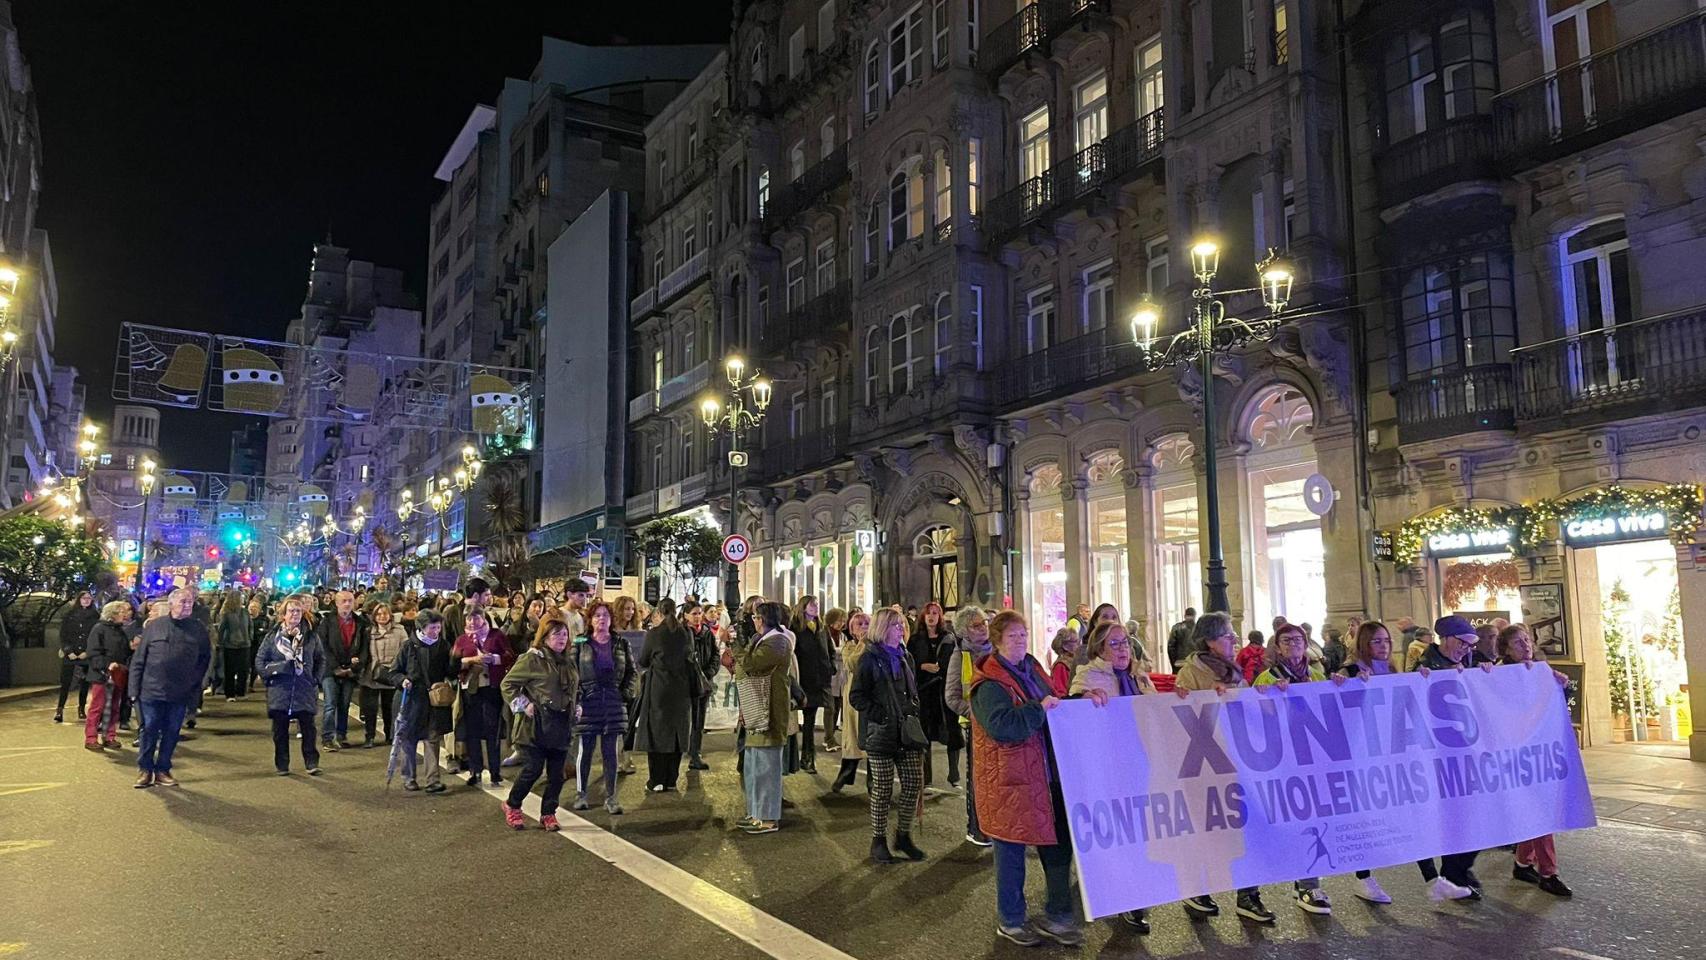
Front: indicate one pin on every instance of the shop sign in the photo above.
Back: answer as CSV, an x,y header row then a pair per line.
x,y
865,540
1591,531
1459,543
1381,543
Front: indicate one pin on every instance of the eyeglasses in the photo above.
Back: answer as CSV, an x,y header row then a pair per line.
x,y
1119,644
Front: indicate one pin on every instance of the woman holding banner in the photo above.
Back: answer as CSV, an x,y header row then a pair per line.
x,y
1019,803
1288,662
1113,671
1537,859
1371,656
1210,666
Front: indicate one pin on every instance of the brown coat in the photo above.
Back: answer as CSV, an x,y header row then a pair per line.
x,y
1013,796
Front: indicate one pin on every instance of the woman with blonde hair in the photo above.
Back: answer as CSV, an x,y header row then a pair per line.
x,y
1537,859
852,649
885,692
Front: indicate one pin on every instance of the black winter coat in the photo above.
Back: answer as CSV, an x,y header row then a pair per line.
x,y
817,665
932,688
423,666
875,693
74,629
335,659
666,697
108,644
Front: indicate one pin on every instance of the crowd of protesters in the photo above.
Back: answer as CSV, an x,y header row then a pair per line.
x,y
531,688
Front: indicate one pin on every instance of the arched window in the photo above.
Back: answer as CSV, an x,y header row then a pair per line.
x,y
826,138
897,209
873,249
944,189
1281,417
873,78
797,161
759,74
906,203
943,329
873,363
900,354
763,190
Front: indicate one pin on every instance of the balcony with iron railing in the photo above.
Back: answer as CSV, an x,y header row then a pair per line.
x,y
1033,29
691,174
817,70
794,198
813,447
1647,366
823,316
643,304
1455,402
1641,81
677,281
1459,150
684,386
1108,162
1065,366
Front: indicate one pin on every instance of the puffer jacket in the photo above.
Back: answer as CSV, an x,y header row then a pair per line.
x,y
1011,769
290,680
961,670
1099,674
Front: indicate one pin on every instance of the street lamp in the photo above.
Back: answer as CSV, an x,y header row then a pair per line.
x,y
736,416
146,483
1211,333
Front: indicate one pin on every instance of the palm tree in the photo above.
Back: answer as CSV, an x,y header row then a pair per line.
x,y
506,544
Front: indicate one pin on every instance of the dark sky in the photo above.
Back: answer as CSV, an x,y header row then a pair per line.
x,y
194,151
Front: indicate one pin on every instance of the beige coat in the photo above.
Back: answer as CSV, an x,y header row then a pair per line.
x,y
1098,674
1194,676
851,651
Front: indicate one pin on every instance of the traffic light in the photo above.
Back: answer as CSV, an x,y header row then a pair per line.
x,y
212,552
236,535
289,576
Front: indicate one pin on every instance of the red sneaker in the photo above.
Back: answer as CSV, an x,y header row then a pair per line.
x,y
549,822
513,817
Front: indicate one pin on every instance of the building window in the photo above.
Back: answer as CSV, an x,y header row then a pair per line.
x,y
1033,144
657,265
1599,297
1148,79
900,354
663,170
873,79
873,363
687,345
1288,211
759,74
763,191
464,283
1438,75
1039,319
944,189
827,414
873,221
1457,314
796,414
797,161
939,21
657,369
943,329
906,49
826,25
1156,271
975,308
795,292
906,204
974,173
825,266
1090,110
692,141
1098,295
797,52
826,138
687,449
763,310
689,237
971,25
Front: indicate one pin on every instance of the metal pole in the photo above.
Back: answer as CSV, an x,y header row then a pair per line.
x,y
142,547
1215,568
731,586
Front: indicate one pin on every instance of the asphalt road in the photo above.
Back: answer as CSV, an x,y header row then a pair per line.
x,y
241,863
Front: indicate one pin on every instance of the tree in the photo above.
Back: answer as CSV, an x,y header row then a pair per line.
x,y
686,548
1623,665
38,555
506,542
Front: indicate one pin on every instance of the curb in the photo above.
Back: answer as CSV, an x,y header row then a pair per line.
x,y
9,694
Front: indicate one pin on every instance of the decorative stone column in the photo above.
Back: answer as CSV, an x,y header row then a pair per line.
x,y
1019,535
1691,584
1074,507
1139,548
1341,535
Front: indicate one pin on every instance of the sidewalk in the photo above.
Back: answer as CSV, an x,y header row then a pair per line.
x,y
9,694
1651,784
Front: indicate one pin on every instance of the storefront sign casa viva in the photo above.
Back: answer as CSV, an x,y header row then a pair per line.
x,y
1593,531
1458,543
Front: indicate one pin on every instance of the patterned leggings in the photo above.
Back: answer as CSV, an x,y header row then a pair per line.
x,y
910,765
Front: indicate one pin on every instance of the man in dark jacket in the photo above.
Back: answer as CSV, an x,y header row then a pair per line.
x,y
165,678
343,640
1179,639
1454,650
73,657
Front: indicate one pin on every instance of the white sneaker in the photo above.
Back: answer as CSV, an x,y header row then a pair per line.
x,y
513,760
1372,892
1443,889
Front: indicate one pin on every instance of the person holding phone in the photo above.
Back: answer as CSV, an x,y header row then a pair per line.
x,y
484,657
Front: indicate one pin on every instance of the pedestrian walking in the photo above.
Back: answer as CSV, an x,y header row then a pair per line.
x,y
288,662
343,640
540,690
669,688
1370,657
484,657
971,645
423,669
108,649
234,645
816,672
1455,650
765,707
73,654
886,694
1536,859
385,642
702,640
165,678
1019,803
606,675
852,649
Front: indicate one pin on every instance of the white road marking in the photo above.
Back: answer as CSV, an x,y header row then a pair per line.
x,y
735,916
1578,954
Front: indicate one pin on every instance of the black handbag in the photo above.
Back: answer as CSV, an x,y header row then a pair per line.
x,y
911,727
553,729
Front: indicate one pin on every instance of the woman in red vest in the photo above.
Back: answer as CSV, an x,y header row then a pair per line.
x,y
1019,803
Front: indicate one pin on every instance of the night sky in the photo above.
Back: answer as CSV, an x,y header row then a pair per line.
x,y
194,153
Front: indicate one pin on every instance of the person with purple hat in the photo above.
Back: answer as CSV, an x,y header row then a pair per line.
x,y
1453,649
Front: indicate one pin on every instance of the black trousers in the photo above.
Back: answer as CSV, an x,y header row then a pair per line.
x,y
1453,866
535,761
236,670
808,734
373,701
699,706
663,768
71,671
281,738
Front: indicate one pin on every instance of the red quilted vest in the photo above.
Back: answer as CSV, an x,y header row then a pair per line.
x,y
1013,800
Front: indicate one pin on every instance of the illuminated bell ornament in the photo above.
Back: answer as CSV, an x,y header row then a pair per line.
x,y
313,500
178,491
251,382
184,374
494,401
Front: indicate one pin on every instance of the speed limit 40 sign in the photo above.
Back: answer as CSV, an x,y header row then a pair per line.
x,y
736,548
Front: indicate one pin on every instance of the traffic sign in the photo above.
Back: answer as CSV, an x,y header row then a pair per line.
x,y
736,548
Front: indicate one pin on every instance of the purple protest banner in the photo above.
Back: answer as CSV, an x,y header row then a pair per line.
x,y
1170,798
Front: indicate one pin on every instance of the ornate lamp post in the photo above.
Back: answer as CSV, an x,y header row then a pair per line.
x,y
1210,334
736,415
146,482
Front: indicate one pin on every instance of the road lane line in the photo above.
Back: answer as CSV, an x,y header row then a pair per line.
x,y
735,916
1578,954
8,789
22,846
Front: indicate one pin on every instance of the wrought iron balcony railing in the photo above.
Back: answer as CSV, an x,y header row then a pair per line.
x,y
1622,370
824,315
1643,80
1112,160
1460,150
815,446
1067,365
1032,29
819,179
1456,402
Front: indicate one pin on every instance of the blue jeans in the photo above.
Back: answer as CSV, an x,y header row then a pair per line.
x,y
1057,873
334,713
764,783
162,720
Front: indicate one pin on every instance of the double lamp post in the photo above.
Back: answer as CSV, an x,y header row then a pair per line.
x,y
736,414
